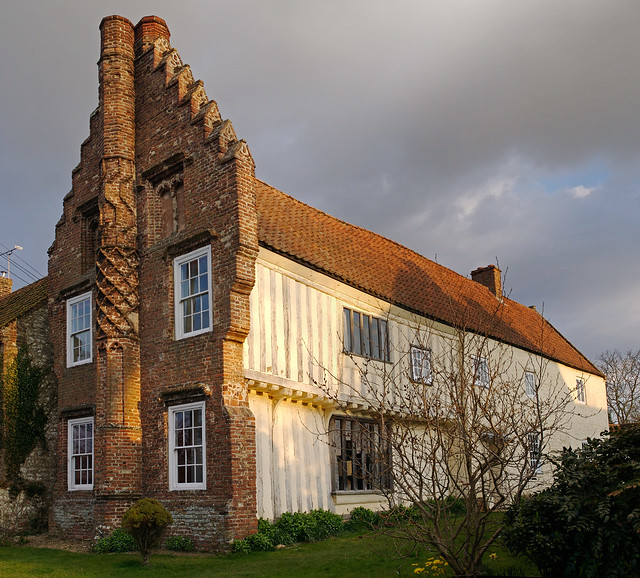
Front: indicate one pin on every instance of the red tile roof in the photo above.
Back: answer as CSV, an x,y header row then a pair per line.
x,y
23,300
395,274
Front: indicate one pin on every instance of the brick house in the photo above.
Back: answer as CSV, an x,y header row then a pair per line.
x,y
200,319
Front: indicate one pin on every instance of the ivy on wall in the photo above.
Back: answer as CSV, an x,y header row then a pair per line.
x,y
24,413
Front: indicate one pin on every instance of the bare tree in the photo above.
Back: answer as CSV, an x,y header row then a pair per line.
x,y
455,429
623,385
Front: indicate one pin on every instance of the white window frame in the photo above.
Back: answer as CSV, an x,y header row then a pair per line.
x,y
180,333
421,364
531,384
581,393
71,303
174,448
72,456
482,377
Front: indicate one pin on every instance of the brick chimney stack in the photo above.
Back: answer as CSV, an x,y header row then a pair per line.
x,y
490,277
118,440
5,284
148,30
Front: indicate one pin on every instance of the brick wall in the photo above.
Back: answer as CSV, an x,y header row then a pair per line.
x,y
160,175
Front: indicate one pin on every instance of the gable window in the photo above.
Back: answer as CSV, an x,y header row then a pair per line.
x,y
421,364
580,391
362,459
365,335
80,453
187,448
79,331
530,384
480,371
192,288
533,439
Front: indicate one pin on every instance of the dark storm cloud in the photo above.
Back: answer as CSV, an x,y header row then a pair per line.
x,y
467,130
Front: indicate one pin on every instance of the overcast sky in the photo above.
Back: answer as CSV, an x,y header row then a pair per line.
x,y
468,131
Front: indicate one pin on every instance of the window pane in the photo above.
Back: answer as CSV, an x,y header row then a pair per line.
x,y
383,340
357,342
366,341
346,317
375,339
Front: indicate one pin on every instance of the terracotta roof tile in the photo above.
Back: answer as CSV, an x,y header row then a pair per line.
x,y
23,300
387,270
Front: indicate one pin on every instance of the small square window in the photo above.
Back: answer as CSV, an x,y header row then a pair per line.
x,y
192,288
79,330
80,454
421,365
187,447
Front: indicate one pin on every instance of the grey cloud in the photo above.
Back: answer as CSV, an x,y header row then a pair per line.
x,y
437,124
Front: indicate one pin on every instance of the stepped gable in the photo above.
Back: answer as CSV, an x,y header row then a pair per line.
x,y
23,300
387,270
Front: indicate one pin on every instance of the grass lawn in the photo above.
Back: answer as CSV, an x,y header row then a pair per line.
x,y
350,555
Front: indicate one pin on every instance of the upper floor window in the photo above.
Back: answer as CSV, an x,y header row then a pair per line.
x,y
481,371
187,447
365,335
421,364
530,384
192,287
79,330
581,395
362,456
80,453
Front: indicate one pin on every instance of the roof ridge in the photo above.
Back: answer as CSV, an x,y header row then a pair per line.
x,y
396,243
384,268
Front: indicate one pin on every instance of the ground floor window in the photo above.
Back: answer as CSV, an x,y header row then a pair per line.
x,y
362,459
187,447
80,452
535,462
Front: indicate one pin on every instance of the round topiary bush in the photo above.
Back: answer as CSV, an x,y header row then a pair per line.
x,y
146,521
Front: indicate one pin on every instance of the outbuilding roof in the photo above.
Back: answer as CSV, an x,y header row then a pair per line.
x,y
398,275
23,300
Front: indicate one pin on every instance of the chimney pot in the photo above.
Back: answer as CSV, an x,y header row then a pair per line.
x,y
149,29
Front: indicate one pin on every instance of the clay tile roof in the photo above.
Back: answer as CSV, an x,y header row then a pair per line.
x,y
23,300
395,274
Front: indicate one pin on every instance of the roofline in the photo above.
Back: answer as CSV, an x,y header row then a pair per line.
x,y
404,307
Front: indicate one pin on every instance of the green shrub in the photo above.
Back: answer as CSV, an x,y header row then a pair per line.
x,y
118,541
179,544
588,522
289,529
146,521
323,524
362,519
